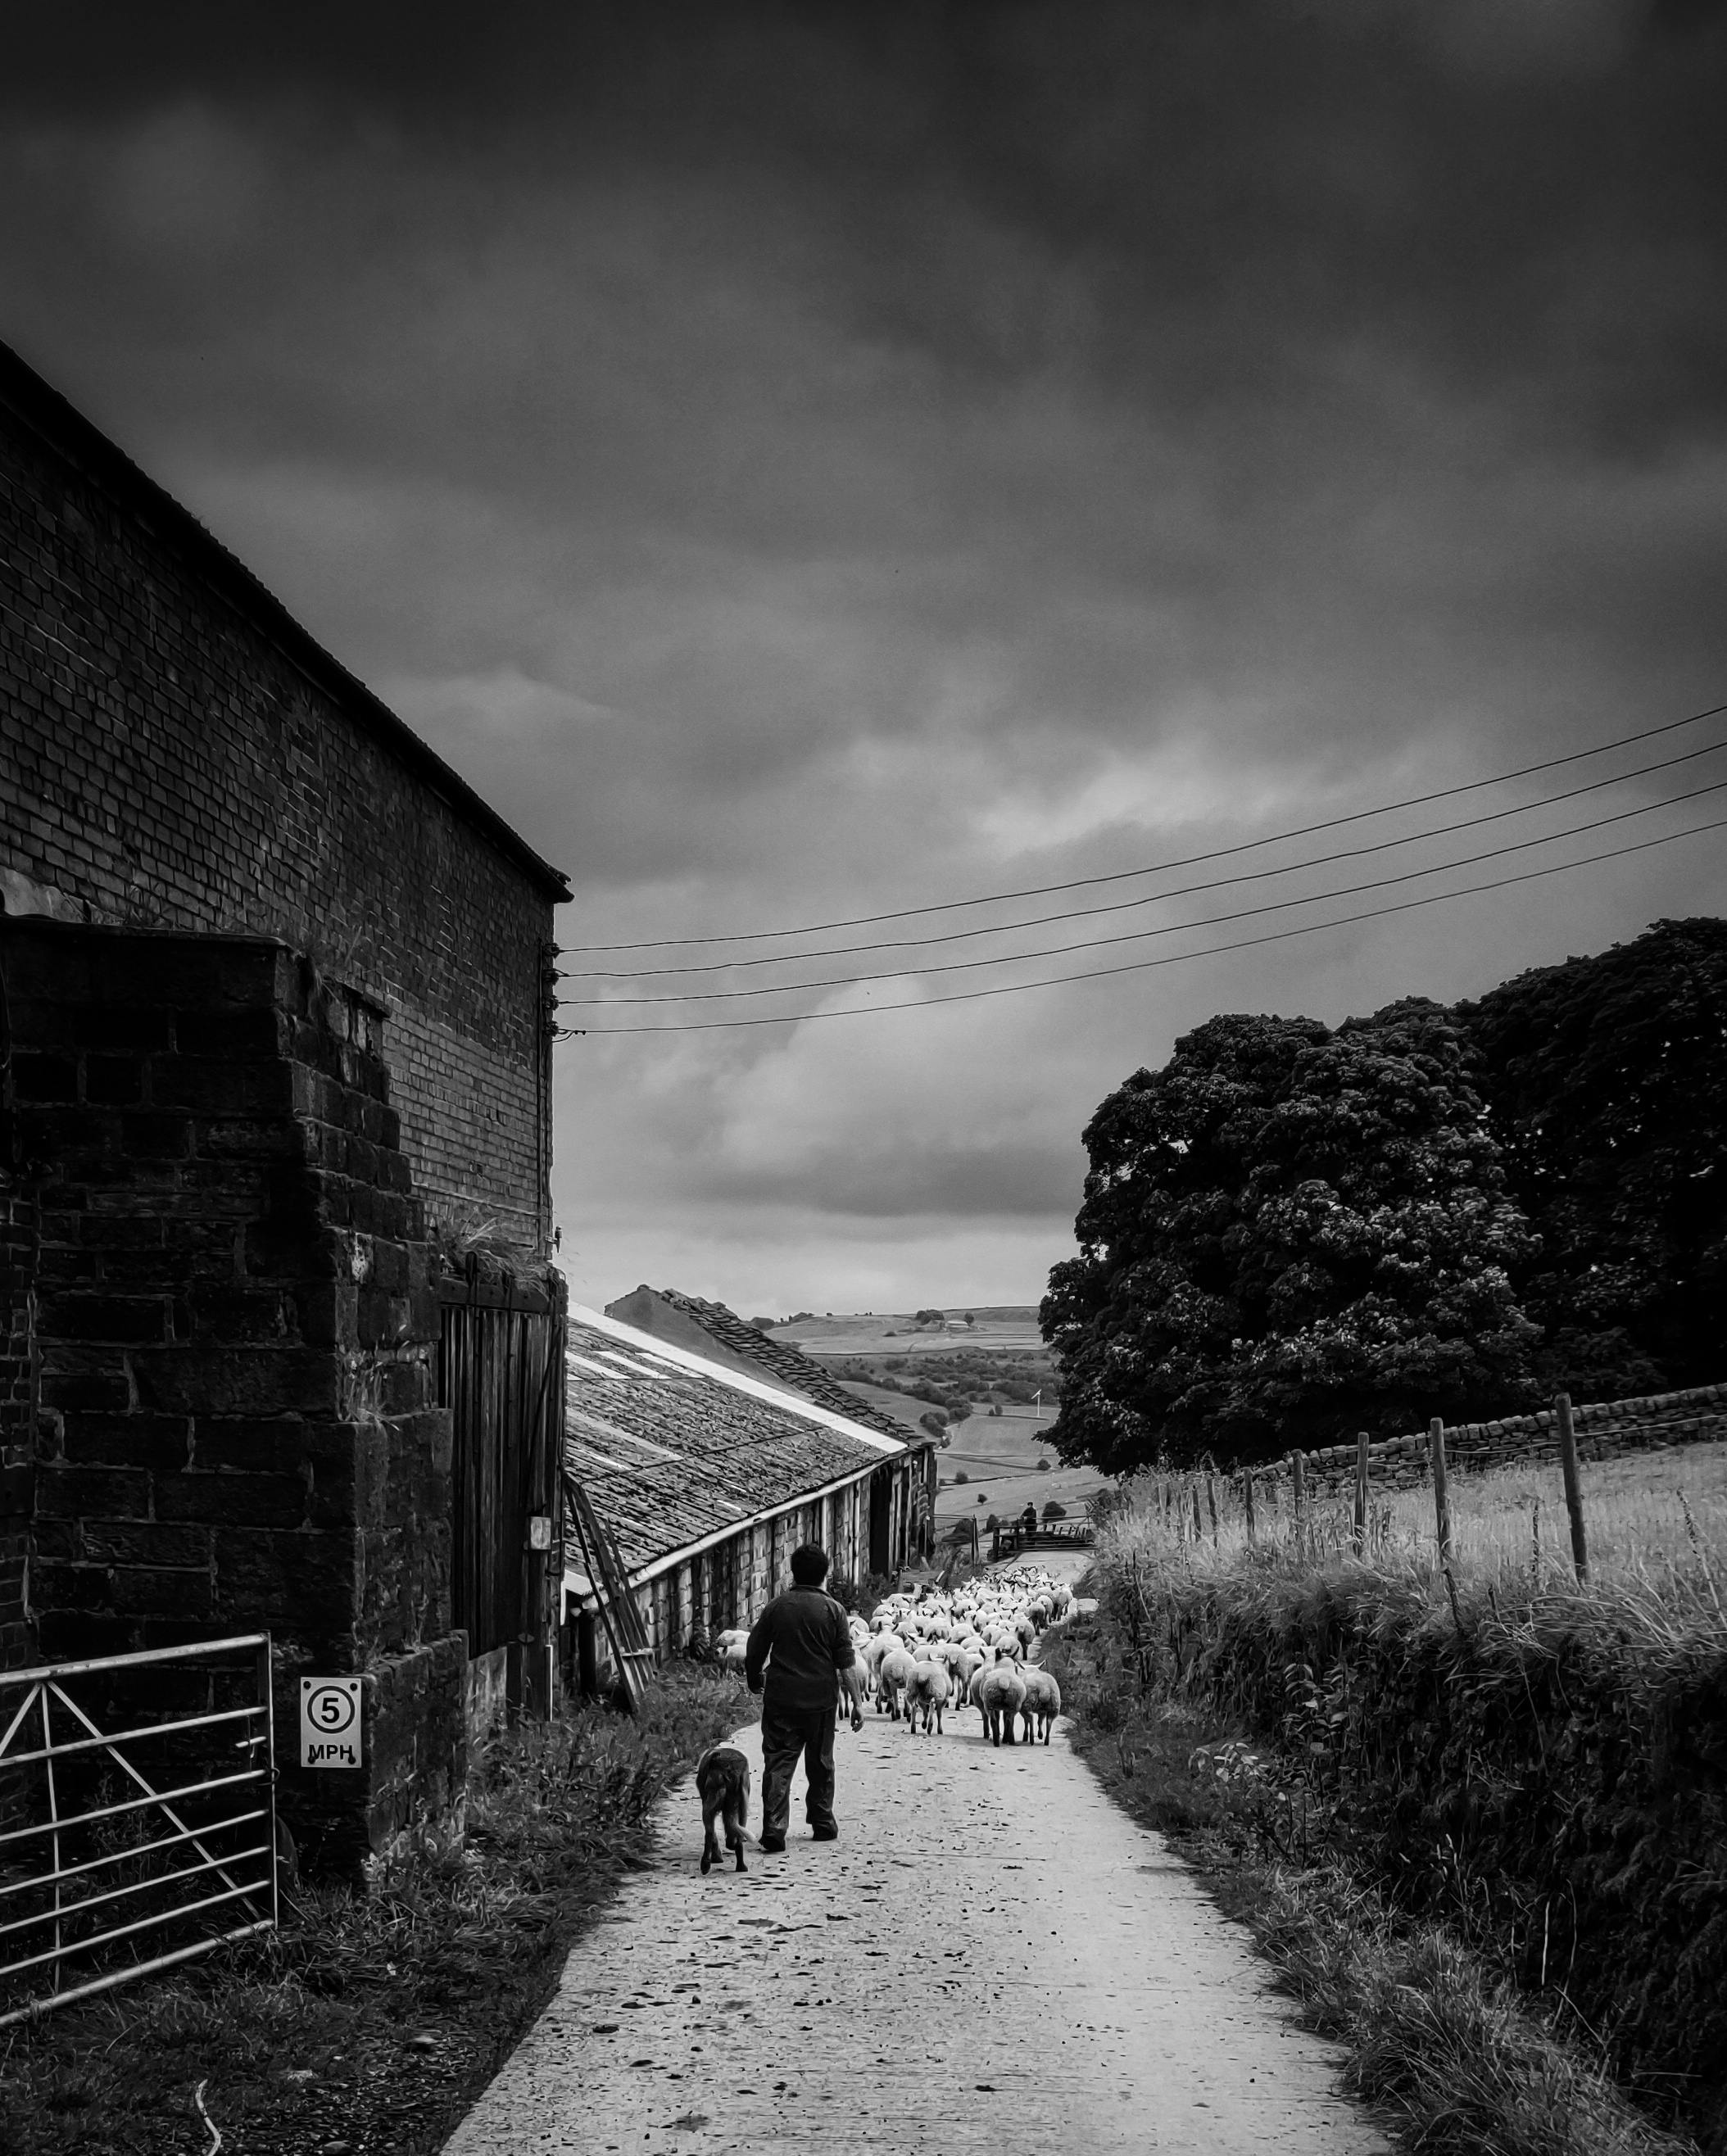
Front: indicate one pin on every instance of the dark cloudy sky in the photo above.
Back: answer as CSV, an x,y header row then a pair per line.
x,y
802,463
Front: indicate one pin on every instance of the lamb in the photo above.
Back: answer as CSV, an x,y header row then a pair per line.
x,y
722,1782
1001,1695
928,1691
894,1673
880,1646
1043,1700
964,1665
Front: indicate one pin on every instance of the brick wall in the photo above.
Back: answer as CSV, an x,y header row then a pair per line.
x,y
174,751
232,1343
18,1477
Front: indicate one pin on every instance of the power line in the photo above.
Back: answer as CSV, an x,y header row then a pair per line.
x,y
1149,898
1139,934
1147,965
1185,861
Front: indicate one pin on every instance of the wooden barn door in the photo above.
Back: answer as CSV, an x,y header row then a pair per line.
x,y
501,1373
881,1518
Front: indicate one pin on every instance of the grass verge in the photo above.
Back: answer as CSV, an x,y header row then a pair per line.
x,y
369,2024
1452,2059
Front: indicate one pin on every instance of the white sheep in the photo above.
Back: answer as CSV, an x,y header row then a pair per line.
x,y
928,1691
893,1674
1001,1694
1043,1702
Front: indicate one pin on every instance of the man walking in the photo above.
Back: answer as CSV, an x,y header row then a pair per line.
x,y
799,1648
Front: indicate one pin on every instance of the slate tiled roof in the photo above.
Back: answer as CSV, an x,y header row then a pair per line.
x,y
671,1450
782,1361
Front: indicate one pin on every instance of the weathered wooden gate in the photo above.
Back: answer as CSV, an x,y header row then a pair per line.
x,y
501,1373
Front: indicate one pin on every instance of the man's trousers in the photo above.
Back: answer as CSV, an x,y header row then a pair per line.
x,y
785,1733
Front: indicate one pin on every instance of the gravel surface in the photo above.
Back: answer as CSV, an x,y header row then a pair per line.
x,y
992,1956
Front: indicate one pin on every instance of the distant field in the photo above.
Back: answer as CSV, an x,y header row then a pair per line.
x,y
890,1333
897,1405
999,1454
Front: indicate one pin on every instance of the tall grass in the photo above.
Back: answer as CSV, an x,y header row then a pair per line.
x,y
1656,1525
372,2020
1536,1760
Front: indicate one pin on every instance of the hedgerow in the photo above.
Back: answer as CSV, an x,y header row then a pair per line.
x,y
1543,1766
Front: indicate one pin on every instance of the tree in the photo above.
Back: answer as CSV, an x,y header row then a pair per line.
x,y
1052,1510
930,1318
1289,1233
1605,1079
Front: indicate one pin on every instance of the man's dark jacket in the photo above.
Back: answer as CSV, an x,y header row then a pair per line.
x,y
806,1634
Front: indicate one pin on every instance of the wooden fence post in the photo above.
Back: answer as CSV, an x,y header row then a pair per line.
x,y
1298,1497
1247,1503
1574,1489
1211,1502
1198,1524
1360,1536
1442,1487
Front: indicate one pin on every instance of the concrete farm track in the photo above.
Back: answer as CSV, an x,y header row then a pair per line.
x,y
992,1956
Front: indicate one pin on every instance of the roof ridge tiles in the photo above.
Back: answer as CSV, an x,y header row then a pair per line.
x,y
785,1362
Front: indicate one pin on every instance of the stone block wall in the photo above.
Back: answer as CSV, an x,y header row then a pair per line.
x,y
698,1592
175,750
18,1479
232,1342
1604,1429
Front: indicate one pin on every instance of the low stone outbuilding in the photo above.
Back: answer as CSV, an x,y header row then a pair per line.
x,y
901,1531
708,1478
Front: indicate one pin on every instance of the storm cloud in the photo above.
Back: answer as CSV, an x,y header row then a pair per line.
x,y
807,462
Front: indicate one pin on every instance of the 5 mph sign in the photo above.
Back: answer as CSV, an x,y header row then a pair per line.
x,y
330,1724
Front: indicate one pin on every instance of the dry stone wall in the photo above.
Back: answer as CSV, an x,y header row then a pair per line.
x,y
1605,1429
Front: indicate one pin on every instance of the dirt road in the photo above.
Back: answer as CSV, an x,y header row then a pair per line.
x,y
992,1956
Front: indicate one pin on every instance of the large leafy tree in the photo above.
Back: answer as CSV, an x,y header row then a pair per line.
x,y
1289,1233
1606,1078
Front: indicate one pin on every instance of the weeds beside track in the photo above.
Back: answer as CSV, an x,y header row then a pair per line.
x,y
1533,1770
371,2021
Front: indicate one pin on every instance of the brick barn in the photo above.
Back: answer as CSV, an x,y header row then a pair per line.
x,y
276,1139
708,1478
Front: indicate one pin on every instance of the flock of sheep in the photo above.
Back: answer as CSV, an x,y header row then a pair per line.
x,y
924,1652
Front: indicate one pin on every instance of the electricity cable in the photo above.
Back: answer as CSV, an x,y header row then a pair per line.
x,y
1149,898
1139,934
1189,860
1147,965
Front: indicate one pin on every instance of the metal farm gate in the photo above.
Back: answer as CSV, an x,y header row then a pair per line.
x,y
137,1816
501,1373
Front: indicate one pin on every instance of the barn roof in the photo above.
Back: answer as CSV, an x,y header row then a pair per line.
x,y
778,1360
674,1451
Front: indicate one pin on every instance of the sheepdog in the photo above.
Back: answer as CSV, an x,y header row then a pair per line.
x,y
722,1783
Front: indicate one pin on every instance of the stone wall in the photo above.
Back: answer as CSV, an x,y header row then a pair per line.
x,y
175,752
233,1338
731,1581
1604,1428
